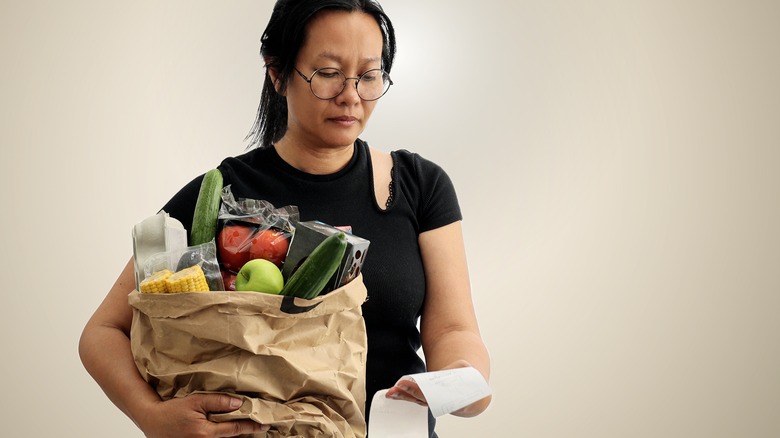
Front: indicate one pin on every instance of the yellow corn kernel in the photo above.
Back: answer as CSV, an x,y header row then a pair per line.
x,y
155,283
190,279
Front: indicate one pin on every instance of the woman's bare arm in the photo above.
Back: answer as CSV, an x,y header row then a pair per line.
x,y
449,329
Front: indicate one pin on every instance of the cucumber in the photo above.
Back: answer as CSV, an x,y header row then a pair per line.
x,y
312,276
204,220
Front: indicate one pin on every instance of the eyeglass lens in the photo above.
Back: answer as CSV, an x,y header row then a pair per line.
x,y
328,83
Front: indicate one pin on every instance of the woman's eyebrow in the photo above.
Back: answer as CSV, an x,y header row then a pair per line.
x,y
334,57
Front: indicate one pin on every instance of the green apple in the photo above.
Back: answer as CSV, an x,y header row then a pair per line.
x,y
260,275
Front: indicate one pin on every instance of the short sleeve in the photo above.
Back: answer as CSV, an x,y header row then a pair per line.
x,y
435,198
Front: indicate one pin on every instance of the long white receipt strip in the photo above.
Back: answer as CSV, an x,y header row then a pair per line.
x,y
446,391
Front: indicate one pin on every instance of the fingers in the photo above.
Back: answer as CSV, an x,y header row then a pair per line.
x,y
217,402
407,390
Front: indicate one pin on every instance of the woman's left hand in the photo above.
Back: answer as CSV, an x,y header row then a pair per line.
x,y
409,390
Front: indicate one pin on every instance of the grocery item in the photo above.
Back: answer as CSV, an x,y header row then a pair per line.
x,y
203,255
309,234
191,279
314,273
155,283
204,220
233,244
165,281
270,244
260,275
252,228
154,235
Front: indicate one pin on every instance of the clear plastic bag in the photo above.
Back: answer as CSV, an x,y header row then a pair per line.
x,y
250,229
204,255
257,211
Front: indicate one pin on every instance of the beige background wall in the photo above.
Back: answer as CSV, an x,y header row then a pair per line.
x,y
617,163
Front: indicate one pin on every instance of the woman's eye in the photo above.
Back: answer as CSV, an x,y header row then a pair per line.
x,y
370,76
328,74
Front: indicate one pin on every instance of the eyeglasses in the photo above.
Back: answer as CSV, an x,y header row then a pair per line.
x,y
328,82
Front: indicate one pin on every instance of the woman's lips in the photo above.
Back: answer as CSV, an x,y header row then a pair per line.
x,y
344,120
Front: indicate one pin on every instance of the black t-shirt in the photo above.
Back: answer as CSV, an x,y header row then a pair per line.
x,y
423,199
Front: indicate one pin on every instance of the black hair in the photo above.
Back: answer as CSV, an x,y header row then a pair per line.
x,y
282,40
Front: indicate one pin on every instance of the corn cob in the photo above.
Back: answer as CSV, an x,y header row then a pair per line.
x,y
155,284
190,279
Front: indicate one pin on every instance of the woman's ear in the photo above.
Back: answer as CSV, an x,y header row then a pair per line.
x,y
276,80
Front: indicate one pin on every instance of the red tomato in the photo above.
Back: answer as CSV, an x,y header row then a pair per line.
x,y
233,245
271,244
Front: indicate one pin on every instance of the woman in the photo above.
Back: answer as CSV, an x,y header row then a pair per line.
x,y
327,65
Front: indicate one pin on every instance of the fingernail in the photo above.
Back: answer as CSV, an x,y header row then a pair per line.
x,y
264,427
235,403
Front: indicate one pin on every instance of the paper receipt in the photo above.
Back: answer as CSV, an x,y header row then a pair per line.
x,y
446,391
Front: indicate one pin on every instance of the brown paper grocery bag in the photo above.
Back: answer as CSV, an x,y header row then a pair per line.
x,y
299,364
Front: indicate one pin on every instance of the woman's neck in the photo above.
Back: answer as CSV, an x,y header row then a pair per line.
x,y
314,160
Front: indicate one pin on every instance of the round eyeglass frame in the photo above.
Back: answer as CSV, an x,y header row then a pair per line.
x,y
344,83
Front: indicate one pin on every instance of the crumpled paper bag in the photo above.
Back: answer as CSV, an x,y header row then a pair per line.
x,y
298,364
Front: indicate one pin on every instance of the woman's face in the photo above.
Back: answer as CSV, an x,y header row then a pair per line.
x,y
351,42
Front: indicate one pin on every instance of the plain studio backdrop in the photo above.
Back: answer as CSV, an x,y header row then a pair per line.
x,y
617,162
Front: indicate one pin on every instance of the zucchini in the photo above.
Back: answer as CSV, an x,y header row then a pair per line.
x,y
204,220
313,274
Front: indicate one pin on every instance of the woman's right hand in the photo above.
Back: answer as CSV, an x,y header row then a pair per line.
x,y
188,417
